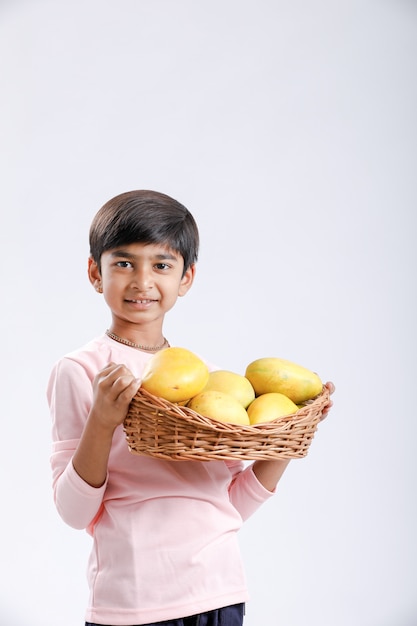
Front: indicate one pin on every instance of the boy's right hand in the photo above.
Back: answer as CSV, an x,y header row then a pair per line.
x,y
113,389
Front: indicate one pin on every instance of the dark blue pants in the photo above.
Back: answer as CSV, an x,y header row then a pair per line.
x,y
227,616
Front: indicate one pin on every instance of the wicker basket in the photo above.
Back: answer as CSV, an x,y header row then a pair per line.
x,y
155,427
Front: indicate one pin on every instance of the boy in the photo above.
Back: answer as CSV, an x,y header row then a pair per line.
x,y
164,532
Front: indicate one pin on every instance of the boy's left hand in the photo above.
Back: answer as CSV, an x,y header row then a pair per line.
x,y
330,386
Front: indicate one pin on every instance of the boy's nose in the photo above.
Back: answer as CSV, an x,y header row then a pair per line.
x,y
142,279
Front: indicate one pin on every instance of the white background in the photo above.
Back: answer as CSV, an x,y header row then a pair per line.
x,y
288,128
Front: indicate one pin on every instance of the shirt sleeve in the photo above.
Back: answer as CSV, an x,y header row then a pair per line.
x,y
69,396
246,493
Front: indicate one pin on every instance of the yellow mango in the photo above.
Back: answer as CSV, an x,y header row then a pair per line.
x,y
232,383
219,406
175,374
270,406
272,374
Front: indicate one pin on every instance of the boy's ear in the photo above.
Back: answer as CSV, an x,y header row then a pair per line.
x,y
94,275
187,280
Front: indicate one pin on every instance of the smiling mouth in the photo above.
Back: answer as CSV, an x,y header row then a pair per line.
x,y
142,301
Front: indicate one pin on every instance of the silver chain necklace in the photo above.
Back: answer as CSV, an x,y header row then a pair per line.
x,y
126,342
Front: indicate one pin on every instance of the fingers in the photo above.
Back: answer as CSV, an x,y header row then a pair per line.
x,y
117,382
330,386
125,387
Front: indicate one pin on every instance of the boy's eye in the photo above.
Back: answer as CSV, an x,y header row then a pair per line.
x,y
162,266
124,264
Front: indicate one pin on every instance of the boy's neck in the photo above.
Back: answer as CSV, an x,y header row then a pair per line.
x,y
137,346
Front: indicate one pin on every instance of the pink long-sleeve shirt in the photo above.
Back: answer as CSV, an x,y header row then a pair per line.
x,y
164,532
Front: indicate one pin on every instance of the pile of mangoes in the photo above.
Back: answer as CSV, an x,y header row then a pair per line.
x,y
271,387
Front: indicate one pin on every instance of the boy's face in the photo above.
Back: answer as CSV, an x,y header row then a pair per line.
x,y
141,282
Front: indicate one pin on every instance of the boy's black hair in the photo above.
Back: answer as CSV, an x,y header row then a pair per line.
x,y
146,217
